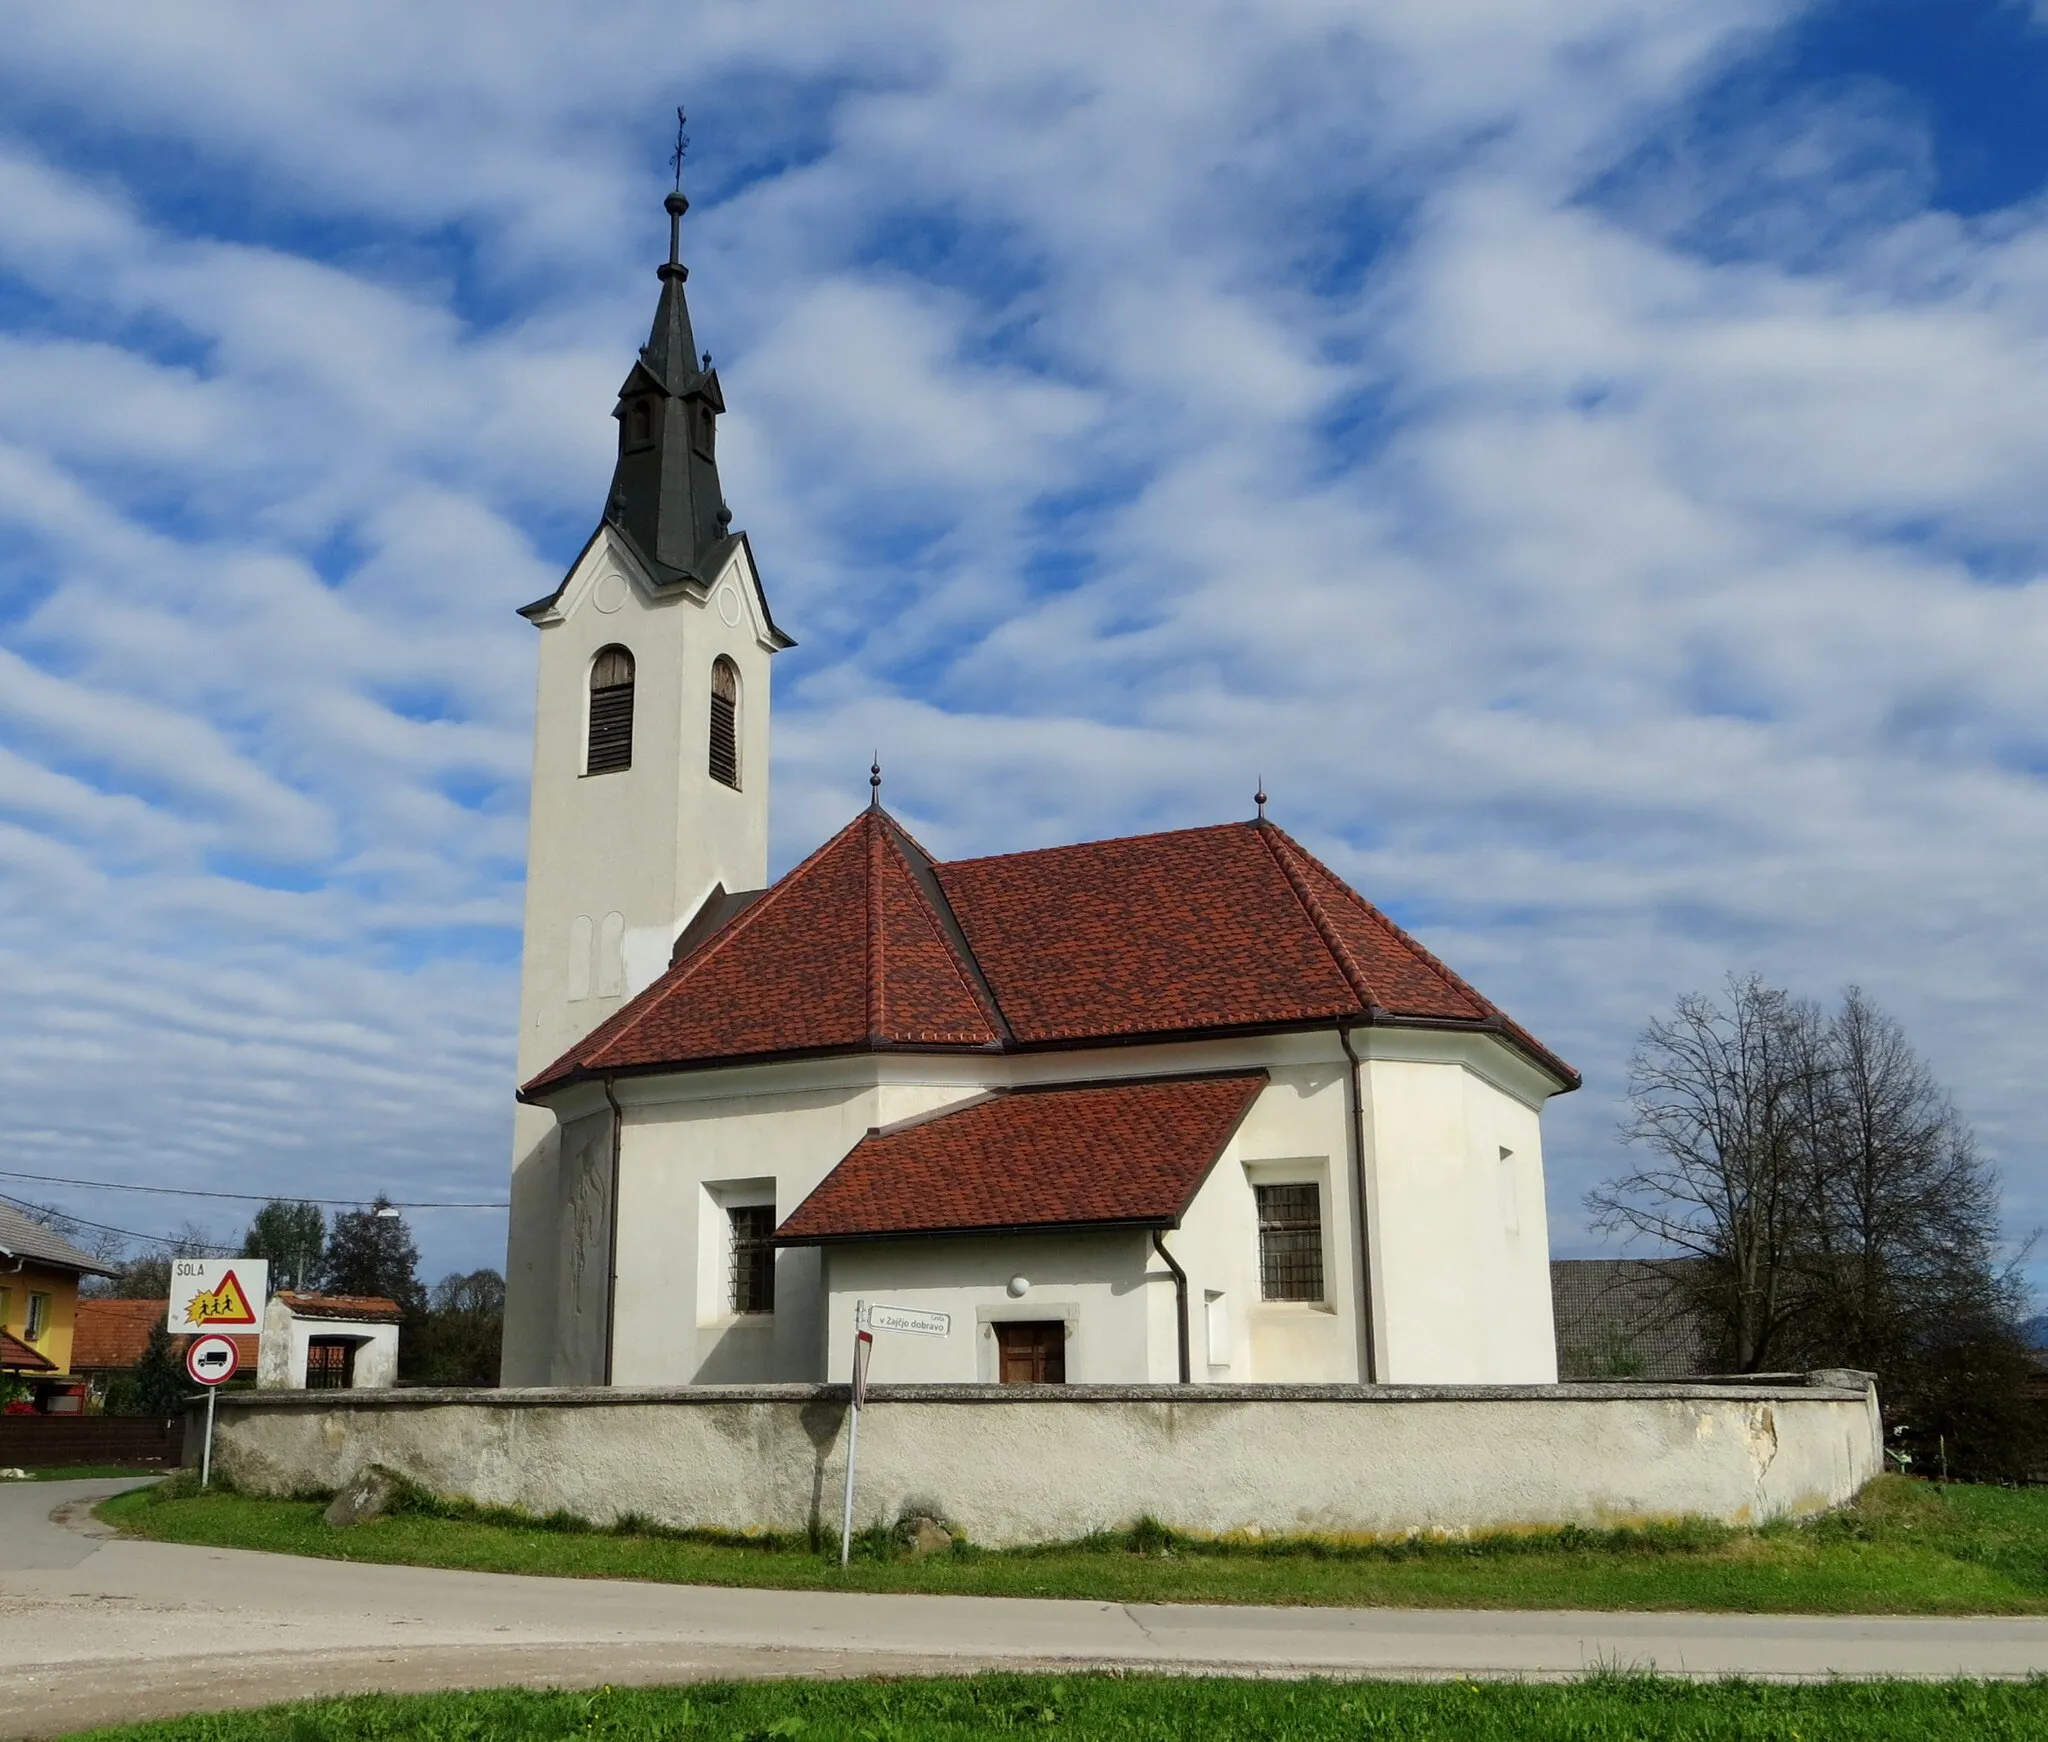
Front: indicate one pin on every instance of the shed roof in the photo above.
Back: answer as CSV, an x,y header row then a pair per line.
x,y
1628,1318
373,1307
1091,1155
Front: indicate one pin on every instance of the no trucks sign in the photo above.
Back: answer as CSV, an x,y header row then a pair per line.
x,y
218,1294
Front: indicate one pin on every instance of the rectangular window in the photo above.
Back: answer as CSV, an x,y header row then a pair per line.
x,y
38,1318
753,1258
6,1306
1290,1242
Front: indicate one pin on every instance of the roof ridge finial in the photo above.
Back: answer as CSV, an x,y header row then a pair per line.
x,y
1259,798
677,203
875,783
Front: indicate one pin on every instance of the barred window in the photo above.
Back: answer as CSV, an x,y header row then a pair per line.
x,y
753,1258
611,712
1290,1242
725,721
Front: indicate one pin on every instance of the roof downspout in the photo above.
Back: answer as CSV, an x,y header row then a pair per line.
x,y
1356,1098
1180,1300
611,1244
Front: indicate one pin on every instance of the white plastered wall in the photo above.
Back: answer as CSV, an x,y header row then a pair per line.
x,y
617,863
1461,1246
1460,1297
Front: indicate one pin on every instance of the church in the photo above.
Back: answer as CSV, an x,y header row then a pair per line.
x,y
1175,1108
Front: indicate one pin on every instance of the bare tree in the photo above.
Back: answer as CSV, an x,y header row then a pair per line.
x,y
1721,1097
1839,1199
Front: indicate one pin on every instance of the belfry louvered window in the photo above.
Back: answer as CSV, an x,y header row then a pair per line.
x,y
611,712
725,721
1290,1242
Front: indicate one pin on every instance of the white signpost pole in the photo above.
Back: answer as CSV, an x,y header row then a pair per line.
x,y
211,1362
863,1341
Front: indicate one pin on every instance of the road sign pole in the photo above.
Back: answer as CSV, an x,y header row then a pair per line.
x,y
852,1433
206,1454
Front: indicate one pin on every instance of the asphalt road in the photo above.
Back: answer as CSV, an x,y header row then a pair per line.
x,y
99,1629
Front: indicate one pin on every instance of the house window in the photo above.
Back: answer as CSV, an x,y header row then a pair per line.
x,y
38,1318
330,1364
753,1258
1290,1242
611,713
725,721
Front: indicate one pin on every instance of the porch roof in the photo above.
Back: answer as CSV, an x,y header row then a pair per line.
x,y
1079,1155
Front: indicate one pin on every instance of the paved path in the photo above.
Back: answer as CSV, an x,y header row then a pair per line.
x,y
98,1628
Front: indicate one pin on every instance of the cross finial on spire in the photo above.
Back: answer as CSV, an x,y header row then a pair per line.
x,y
875,782
675,161
676,205
1259,798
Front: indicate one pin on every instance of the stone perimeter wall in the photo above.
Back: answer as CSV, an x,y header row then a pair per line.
x,y
1009,1464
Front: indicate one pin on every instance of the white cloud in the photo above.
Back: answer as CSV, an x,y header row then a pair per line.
x,y
1627,563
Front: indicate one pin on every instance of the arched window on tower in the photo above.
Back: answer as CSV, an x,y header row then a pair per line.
x,y
611,712
640,423
725,721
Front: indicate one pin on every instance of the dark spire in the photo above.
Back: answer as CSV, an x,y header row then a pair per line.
x,y
665,495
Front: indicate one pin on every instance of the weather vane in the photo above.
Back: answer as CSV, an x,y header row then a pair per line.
x,y
675,161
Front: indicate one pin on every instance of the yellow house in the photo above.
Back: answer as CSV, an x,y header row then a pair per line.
x,y
39,1275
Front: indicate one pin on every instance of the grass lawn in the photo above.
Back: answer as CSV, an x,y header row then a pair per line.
x,y
1903,1548
81,1472
1135,1708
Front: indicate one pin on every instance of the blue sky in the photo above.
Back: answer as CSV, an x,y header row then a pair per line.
x,y
1589,459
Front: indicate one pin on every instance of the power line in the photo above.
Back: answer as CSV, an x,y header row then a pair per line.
x,y
107,1185
107,1228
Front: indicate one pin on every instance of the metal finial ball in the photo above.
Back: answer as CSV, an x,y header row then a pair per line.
x,y
1259,798
725,514
707,359
875,774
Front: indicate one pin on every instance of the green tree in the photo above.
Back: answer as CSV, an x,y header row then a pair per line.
x,y
371,1252
158,1386
293,1237
459,1339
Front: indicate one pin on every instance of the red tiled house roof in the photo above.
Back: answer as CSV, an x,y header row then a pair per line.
x,y
1096,1155
871,945
373,1307
18,1357
109,1336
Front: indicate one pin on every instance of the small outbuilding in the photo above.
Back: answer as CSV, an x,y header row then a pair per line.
x,y
329,1342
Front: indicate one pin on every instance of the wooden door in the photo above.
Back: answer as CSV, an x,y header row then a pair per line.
x,y
1032,1351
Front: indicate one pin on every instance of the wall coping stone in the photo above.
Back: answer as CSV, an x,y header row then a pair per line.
x,y
1830,1384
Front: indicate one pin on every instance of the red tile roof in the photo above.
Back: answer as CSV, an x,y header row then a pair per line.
x,y
341,1306
870,944
1105,1154
18,1357
109,1335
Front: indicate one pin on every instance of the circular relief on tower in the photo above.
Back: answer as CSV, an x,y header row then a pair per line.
x,y
610,592
729,605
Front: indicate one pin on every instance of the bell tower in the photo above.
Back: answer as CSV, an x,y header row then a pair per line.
x,y
650,790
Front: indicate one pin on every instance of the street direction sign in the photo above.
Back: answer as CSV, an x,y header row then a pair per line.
x,y
911,1321
211,1360
218,1294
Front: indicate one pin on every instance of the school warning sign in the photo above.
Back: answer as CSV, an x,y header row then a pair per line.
x,y
218,1294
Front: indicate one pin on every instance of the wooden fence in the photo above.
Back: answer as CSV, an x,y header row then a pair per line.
x,y
41,1441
